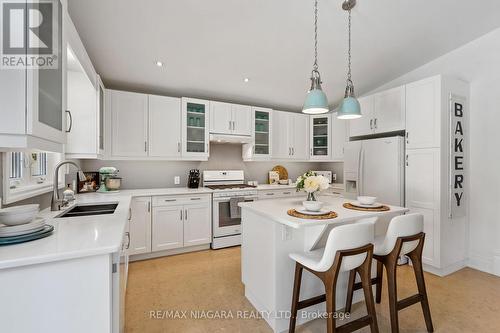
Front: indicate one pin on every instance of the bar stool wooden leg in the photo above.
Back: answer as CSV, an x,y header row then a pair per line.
x,y
390,266
378,290
419,276
295,296
350,290
366,282
330,305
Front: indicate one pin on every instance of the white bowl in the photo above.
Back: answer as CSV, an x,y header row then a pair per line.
x,y
365,200
312,206
18,214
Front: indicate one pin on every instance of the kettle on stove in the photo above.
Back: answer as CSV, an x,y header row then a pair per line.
x,y
194,178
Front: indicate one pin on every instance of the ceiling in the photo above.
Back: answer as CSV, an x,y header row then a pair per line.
x,y
209,47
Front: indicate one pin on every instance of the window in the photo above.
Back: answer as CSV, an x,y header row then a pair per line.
x,y
28,174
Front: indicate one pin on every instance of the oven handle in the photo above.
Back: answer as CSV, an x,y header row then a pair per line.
x,y
227,199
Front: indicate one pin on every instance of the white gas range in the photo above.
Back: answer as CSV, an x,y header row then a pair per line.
x,y
229,189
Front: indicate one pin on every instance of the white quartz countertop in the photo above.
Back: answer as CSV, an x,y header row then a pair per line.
x,y
76,237
276,211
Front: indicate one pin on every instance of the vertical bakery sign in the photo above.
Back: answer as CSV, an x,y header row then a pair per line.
x,y
458,150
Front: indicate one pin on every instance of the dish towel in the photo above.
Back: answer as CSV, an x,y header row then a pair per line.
x,y
234,210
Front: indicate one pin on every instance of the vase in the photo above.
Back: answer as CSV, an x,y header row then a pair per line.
x,y
311,197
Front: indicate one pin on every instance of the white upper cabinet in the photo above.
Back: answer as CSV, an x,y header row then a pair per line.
x,y
339,137
195,128
34,101
164,127
320,137
261,148
221,118
280,126
299,136
290,135
363,125
129,124
242,120
226,118
423,111
382,112
389,107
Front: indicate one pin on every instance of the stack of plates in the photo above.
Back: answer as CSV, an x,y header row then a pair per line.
x,y
360,205
25,232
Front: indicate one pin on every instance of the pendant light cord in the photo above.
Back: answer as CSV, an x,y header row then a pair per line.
x,y
349,81
315,65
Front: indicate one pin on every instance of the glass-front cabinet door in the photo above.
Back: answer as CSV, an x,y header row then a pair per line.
x,y
45,94
262,132
195,122
320,137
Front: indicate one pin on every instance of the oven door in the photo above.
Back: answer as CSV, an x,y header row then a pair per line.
x,y
223,224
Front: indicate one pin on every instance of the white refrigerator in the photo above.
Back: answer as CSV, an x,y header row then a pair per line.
x,y
375,167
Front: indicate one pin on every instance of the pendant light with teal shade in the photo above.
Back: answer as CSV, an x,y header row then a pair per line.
x,y
316,101
349,108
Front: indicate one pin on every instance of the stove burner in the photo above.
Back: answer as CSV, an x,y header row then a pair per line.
x,y
229,186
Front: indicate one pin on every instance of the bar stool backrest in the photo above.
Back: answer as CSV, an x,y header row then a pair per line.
x,y
347,237
402,226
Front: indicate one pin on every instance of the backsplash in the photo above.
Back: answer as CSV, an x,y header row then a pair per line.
x,y
158,174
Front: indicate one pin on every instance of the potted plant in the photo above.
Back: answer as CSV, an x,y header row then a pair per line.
x,y
311,183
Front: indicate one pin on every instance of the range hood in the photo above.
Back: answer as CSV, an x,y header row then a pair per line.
x,y
227,138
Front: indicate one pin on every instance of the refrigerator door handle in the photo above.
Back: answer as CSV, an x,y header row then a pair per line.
x,y
360,172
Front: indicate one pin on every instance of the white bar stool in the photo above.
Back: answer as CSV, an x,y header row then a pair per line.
x,y
348,248
404,236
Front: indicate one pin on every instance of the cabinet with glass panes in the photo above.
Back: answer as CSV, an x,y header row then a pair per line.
x,y
320,137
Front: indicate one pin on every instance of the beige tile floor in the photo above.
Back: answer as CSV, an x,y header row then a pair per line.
x,y
467,301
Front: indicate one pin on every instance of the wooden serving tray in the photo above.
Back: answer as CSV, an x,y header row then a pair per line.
x,y
327,216
383,208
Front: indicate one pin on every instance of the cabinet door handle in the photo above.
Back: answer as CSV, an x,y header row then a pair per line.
x,y
229,125
207,148
178,147
375,123
371,124
185,215
195,199
407,137
145,146
293,151
407,161
129,213
286,193
70,121
149,207
181,214
269,193
170,200
128,240
311,152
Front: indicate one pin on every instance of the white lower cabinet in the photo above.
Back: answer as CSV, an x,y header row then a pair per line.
x,y
162,223
167,232
140,225
197,225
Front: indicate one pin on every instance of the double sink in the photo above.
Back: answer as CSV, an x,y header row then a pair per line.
x,y
87,210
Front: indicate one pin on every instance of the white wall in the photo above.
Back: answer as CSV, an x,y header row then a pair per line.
x,y
157,174
477,62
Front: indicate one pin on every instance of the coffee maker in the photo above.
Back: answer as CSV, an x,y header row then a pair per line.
x,y
194,178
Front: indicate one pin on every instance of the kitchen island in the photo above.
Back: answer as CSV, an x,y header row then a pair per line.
x,y
269,235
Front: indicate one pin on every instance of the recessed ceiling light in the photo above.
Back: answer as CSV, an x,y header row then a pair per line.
x,y
246,79
159,63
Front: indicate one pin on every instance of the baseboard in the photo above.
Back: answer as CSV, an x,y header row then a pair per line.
x,y
152,255
480,262
446,270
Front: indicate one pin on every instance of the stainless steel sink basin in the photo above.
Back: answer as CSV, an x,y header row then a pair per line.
x,y
86,210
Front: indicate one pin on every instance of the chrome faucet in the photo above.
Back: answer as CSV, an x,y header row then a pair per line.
x,y
57,203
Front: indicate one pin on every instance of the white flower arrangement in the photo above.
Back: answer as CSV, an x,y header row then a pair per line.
x,y
311,183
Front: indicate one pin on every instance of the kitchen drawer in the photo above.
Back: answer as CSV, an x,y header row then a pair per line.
x,y
174,200
271,194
